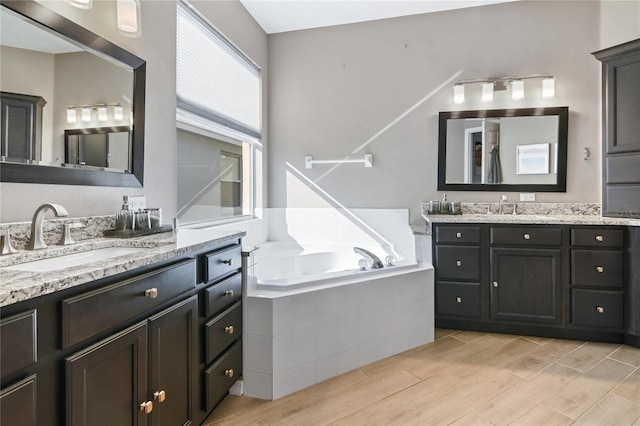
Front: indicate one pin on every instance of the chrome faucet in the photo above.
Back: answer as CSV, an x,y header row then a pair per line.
x,y
37,242
503,198
375,261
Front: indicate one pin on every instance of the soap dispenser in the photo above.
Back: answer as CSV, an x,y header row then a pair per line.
x,y
124,217
446,207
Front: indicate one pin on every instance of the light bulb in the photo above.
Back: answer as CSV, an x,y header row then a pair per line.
x,y
118,113
517,90
128,17
487,92
71,115
102,113
86,115
81,4
548,87
458,93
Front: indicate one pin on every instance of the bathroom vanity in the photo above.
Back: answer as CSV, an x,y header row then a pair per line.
x,y
563,276
149,337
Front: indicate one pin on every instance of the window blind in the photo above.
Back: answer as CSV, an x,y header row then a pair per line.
x,y
214,80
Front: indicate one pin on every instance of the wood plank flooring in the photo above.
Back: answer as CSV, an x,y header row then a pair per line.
x,y
466,378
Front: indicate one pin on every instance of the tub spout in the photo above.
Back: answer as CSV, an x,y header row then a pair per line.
x,y
375,261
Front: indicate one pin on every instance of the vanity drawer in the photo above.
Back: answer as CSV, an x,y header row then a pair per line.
x,y
597,268
457,234
526,236
90,313
222,262
223,330
222,375
597,237
18,342
597,308
220,296
458,299
458,263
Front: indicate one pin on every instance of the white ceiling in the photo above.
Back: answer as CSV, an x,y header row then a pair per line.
x,y
277,16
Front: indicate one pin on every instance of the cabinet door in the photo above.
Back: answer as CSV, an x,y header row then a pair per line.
x,y
172,346
18,403
107,382
526,285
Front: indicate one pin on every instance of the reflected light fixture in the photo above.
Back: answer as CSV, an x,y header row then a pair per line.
x,y
516,83
102,113
118,113
128,17
86,114
71,115
487,91
517,90
81,4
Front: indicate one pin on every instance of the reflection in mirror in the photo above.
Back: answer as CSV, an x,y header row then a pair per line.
x,y
82,88
502,150
106,148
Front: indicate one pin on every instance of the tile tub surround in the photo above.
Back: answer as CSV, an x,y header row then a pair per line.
x,y
296,340
16,286
533,213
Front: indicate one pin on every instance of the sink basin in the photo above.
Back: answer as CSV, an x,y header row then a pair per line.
x,y
75,259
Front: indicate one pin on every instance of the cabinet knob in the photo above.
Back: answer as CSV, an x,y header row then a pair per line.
x,y
600,269
526,236
146,407
600,309
228,329
228,293
229,372
159,395
495,283
599,238
458,234
151,292
459,299
458,263
228,261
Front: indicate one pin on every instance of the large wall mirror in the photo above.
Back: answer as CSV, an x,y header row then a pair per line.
x,y
60,81
520,150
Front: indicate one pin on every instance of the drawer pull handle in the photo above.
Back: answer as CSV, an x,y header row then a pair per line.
x,y
527,236
599,238
228,329
159,395
458,234
495,284
228,293
146,407
229,372
459,299
228,261
458,263
600,309
600,269
151,292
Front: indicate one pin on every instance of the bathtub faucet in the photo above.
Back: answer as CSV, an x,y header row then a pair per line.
x,y
372,258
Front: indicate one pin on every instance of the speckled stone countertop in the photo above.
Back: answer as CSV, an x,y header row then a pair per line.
x,y
16,286
531,219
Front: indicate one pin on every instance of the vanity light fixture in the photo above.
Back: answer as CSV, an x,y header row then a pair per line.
x,y
489,85
71,115
86,112
81,4
128,17
118,113
86,115
102,113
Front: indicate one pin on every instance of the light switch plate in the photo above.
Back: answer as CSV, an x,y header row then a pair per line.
x,y
528,197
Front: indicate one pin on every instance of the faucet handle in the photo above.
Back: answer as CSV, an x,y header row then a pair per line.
x,y
66,236
7,247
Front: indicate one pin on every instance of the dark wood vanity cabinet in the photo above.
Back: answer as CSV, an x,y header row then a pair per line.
x,y
621,129
549,280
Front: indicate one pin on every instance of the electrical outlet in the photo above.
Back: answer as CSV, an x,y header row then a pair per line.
x,y
137,202
528,197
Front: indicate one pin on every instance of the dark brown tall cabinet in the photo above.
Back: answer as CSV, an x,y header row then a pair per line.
x,y
21,126
621,129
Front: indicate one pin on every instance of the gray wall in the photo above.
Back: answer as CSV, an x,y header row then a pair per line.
x,y
382,83
157,47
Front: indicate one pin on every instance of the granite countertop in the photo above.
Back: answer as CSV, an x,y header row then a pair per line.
x,y
531,219
16,286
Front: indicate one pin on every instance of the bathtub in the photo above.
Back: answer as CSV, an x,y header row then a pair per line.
x,y
311,314
283,266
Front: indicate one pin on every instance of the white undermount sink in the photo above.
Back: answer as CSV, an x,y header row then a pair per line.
x,y
74,259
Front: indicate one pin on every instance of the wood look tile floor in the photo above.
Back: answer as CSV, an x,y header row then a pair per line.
x,y
466,378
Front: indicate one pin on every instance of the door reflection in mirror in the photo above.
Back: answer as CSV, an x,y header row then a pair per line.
x,y
106,147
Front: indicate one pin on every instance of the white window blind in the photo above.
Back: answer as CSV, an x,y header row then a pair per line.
x,y
214,80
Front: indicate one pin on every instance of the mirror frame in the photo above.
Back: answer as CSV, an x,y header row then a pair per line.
x,y
563,126
26,173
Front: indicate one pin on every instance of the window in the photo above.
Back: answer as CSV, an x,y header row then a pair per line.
x,y
218,120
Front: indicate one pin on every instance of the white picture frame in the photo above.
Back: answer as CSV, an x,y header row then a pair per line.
x,y
532,159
